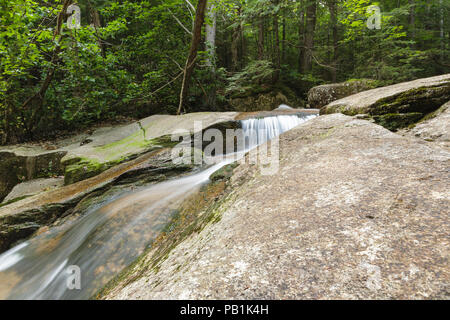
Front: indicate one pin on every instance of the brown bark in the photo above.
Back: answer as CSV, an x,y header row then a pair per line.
x,y
276,55
35,102
412,18
261,39
301,38
333,17
310,28
95,21
190,62
283,42
235,42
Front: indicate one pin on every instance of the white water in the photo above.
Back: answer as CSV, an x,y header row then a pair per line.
x,y
265,129
111,235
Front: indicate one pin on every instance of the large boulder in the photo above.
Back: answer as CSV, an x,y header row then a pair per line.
x,y
112,146
18,164
396,106
32,187
354,212
259,102
322,95
436,128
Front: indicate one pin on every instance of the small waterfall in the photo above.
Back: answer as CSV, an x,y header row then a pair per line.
x,y
260,130
112,234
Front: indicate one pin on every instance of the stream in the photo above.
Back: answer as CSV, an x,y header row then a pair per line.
x,y
113,233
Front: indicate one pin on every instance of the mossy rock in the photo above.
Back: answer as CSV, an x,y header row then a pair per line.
x,y
259,102
395,121
107,156
224,173
322,95
423,100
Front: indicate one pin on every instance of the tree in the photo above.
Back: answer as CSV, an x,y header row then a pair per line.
x,y
311,8
36,101
332,4
190,62
211,35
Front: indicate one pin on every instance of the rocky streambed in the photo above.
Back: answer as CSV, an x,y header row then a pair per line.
x,y
354,210
103,223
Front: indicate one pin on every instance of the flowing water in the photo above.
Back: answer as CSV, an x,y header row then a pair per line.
x,y
112,233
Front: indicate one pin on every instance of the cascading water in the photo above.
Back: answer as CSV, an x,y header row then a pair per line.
x,y
259,131
113,233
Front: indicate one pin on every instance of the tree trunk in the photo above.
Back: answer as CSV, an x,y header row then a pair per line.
x,y
441,27
211,37
412,18
243,49
283,42
35,102
235,42
95,21
190,62
333,20
311,8
276,60
301,38
261,39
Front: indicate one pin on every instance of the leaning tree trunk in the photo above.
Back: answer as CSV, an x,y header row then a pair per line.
x,y
35,103
95,23
190,62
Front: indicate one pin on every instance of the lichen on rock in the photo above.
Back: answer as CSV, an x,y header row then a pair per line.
x,y
324,94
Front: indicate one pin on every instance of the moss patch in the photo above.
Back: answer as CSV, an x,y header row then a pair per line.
x,y
14,200
395,121
224,173
423,100
81,168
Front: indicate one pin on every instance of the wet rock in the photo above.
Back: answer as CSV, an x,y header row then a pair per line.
x,y
322,95
354,212
20,219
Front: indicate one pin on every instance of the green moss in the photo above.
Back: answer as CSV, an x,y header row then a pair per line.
x,y
14,200
224,173
395,121
81,168
423,100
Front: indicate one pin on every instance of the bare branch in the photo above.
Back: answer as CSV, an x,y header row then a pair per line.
x,y
179,22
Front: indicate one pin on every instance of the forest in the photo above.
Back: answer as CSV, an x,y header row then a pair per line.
x,y
68,65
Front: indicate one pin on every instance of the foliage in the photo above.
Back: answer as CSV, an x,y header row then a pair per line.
x,y
130,65
256,74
